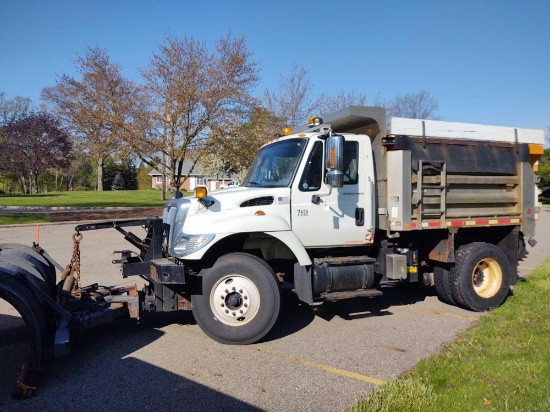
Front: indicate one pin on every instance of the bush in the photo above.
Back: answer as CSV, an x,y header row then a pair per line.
x,y
143,178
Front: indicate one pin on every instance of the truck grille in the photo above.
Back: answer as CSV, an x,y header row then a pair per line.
x,y
173,217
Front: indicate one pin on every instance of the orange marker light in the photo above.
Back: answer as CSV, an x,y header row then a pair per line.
x,y
200,192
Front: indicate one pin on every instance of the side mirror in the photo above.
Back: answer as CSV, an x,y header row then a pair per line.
x,y
334,160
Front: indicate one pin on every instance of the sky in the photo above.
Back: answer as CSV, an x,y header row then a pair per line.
x,y
486,61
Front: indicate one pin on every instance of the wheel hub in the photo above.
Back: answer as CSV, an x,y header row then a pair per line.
x,y
478,277
234,300
487,278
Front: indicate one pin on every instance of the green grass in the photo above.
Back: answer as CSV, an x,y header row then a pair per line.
x,y
122,198
23,218
501,364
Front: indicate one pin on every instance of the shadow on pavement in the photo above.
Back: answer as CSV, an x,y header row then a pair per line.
x,y
14,350
365,307
99,375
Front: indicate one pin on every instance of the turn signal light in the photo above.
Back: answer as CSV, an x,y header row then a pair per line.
x,y
332,158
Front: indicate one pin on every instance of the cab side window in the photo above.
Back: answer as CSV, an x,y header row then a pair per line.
x,y
313,172
351,163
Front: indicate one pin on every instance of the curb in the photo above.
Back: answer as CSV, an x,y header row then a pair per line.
x,y
69,222
70,208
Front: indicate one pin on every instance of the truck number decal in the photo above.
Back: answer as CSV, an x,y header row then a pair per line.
x,y
302,212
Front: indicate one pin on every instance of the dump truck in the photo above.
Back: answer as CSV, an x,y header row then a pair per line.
x,y
336,209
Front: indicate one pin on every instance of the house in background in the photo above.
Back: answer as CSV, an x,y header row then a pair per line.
x,y
196,178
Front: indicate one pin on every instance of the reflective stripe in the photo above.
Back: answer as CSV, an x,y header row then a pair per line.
x,y
468,223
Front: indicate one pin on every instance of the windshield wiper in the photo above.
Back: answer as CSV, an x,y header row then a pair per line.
x,y
254,183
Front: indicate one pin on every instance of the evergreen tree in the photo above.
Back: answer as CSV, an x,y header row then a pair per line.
x,y
118,182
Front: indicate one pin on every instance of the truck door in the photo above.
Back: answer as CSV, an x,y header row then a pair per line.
x,y
340,218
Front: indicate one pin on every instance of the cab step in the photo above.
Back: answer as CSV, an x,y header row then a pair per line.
x,y
367,293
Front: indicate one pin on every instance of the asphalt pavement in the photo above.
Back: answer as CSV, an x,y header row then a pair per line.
x,y
322,359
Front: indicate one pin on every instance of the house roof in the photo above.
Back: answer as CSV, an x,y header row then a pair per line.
x,y
187,164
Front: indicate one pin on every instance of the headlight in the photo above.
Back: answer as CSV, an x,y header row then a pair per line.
x,y
173,218
187,244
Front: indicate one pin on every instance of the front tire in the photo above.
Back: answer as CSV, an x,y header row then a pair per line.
x,y
481,278
238,300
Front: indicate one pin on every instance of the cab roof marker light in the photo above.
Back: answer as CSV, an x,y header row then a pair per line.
x,y
314,121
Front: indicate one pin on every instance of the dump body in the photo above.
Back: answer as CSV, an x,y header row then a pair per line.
x,y
442,183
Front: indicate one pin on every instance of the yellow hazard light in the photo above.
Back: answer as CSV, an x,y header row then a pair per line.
x,y
259,213
200,192
287,131
314,121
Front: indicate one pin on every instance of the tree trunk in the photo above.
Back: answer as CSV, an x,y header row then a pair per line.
x,y
100,175
22,184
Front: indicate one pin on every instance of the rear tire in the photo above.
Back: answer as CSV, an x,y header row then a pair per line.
x,y
238,300
442,285
481,278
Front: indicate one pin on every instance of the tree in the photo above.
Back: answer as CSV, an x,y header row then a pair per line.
x,y
97,108
143,178
80,172
234,154
126,168
33,144
293,103
14,109
544,171
194,94
341,101
118,182
420,105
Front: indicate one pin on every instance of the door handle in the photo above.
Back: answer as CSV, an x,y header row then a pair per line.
x,y
359,216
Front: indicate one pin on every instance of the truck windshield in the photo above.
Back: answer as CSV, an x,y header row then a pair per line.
x,y
275,164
